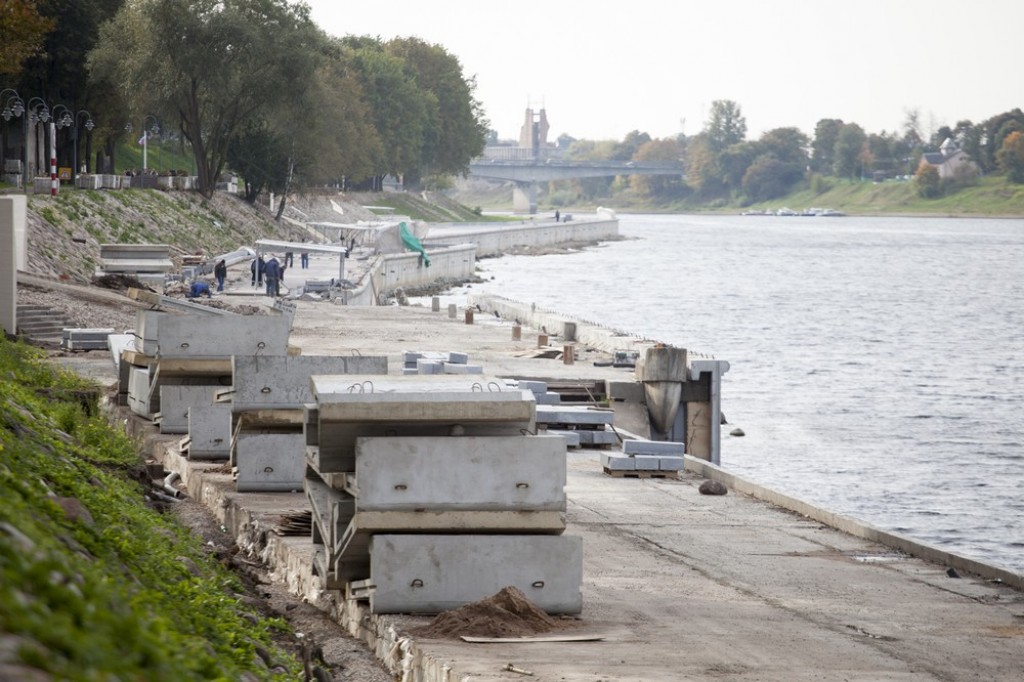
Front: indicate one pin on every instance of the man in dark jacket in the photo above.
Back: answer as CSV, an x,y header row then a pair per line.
x,y
220,271
272,273
257,267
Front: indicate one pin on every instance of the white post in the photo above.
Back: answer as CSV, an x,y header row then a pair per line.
x,y
12,238
53,158
145,144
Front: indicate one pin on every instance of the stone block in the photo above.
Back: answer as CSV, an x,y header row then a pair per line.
x,y
492,473
269,462
209,432
653,447
618,462
177,400
564,414
282,381
428,574
191,336
646,462
671,463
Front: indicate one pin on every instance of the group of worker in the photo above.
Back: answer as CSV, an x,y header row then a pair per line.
x,y
263,271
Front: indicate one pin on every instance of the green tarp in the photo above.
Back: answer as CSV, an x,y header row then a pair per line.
x,y
410,241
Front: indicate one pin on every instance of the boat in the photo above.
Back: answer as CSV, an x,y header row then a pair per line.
x,y
831,213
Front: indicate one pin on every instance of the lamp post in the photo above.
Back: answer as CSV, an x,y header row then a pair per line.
x,y
144,140
71,120
13,106
33,117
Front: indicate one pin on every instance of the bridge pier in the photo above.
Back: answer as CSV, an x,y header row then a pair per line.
x,y
524,197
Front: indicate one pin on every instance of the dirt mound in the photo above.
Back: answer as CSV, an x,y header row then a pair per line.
x,y
509,613
120,283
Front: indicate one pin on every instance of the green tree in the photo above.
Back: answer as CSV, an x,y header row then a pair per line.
x,y
849,142
788,145
823,149
703,168
668,150
725,126
23,31
1011,157
400,109
213,66
928,182
769,178
631,143
455,129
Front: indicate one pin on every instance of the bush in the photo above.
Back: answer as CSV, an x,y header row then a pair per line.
x,y
927,181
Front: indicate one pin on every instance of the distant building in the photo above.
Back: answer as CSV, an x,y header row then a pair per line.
x,y
534,133
951,161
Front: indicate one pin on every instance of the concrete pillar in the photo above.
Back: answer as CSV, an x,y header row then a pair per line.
x,y
542,340
704,419
569,353
12,243
524,197
663,372
569,331
469,316
435,304
517,332
453,311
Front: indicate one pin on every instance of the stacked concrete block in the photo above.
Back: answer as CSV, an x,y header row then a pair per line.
x,y
405,470
85,339
420,362
592,426
178,400
646,457
268,399
209,432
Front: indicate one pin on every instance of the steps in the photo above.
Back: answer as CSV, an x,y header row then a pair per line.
x,y
41,323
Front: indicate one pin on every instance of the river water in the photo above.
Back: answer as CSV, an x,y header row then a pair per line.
x,y
877,364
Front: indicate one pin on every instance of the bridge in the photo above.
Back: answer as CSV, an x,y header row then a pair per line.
x,y
526,173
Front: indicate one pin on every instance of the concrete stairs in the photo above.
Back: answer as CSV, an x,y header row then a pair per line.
x,y
41,323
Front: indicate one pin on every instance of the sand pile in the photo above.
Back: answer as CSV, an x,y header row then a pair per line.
x,y
509,613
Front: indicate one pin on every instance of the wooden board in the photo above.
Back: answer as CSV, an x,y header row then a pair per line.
x,y
538,638
632,473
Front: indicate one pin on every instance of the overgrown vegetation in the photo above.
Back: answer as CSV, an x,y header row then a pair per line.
x,y
95,584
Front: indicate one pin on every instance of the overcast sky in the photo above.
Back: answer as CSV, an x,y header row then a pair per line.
x,y
603,69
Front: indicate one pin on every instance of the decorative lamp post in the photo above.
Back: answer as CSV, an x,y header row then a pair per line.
x,y
71,120
13,107
33,117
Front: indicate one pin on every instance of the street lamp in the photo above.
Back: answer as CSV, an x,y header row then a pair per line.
x,y
144,140
69,119
14,106
33,117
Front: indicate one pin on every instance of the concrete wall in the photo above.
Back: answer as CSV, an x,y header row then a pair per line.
x,y
12,256
505,237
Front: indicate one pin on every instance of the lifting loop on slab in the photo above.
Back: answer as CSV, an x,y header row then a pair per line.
x,y
493,386
416,583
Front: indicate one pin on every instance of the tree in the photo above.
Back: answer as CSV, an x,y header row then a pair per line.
x,y
455,128
769,178
928,182
1011,157
667,151
823,149
22,33
849,142
726,125
631,143
703,168
401,112
211,65
788,145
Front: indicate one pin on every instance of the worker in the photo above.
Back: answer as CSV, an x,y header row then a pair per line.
x,y
199,289
220,271
272,275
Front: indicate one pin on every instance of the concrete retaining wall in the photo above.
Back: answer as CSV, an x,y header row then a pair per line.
x,y
503,237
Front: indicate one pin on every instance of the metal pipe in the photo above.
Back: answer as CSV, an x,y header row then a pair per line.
x,y
168,484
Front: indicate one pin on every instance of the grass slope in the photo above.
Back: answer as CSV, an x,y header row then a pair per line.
x,y
94,583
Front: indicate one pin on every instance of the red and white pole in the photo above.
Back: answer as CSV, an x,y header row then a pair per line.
x,y
53,159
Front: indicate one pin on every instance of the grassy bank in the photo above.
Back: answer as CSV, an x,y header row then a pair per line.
x,y
991,196
95,583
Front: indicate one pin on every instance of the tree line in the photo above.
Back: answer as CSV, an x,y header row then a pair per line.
x,y
722,165
248,85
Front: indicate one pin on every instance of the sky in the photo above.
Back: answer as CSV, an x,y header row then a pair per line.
x,y
601,70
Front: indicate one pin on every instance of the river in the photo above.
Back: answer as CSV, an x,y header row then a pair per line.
x,y
877,364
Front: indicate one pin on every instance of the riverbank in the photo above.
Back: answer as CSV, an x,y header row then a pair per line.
x,y
676,584
991,197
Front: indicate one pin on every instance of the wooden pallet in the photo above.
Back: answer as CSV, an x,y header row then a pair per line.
x,y
633,473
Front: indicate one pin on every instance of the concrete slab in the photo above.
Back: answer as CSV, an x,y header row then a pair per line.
x,y
209,432
177,400
282,381
189,336
653,447
522,473
434,573
269,462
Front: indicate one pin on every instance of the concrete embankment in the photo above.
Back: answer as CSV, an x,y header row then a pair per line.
x,y
676,584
